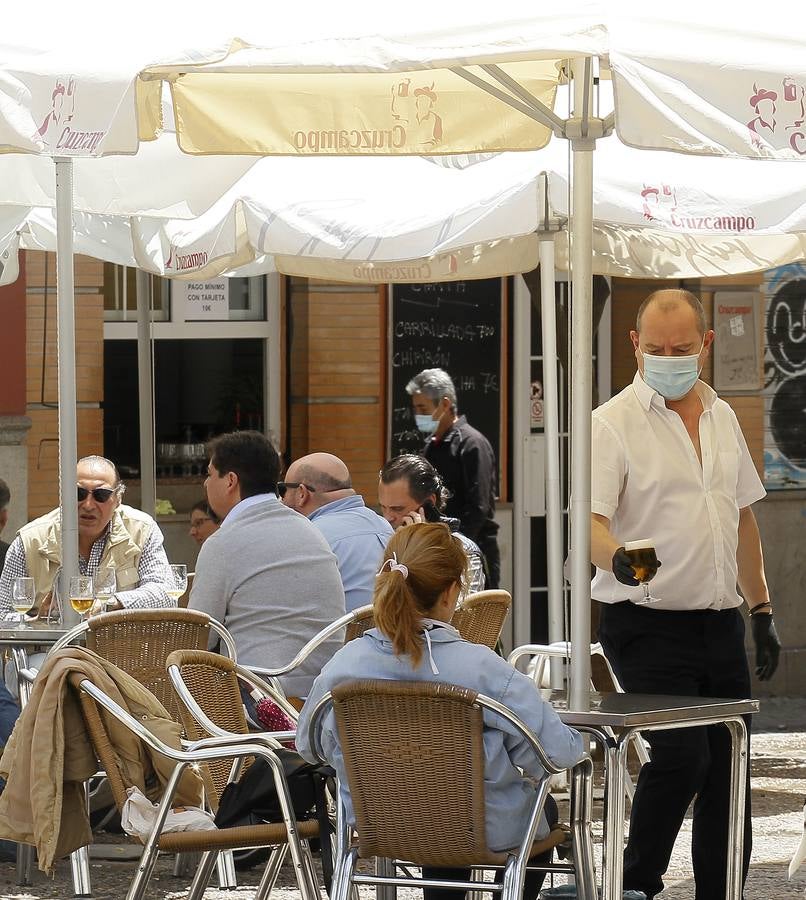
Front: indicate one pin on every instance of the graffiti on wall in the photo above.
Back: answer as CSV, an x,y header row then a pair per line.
x,y
785,378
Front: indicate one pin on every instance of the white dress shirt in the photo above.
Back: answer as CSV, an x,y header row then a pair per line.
x,y
648,481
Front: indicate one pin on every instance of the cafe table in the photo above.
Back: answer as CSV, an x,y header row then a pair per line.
x,y
614,718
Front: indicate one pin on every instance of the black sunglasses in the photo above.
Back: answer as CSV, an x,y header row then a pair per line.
x,y
99,495
283,486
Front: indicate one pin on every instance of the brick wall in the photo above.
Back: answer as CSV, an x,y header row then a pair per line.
x,y
627,297
42,394
336,359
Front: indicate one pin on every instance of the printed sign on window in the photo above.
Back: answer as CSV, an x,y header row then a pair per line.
x,y
202,300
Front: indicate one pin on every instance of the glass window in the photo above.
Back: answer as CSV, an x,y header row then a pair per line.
x,y
120,295
202,388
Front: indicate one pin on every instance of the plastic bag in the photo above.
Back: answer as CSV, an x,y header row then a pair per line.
x,y
139,814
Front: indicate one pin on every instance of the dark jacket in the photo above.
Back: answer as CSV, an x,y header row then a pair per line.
x,y
465,460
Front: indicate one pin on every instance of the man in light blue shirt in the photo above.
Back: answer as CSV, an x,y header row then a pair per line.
x,y
319,487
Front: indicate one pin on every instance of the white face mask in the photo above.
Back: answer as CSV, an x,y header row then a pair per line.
x,y
672,376
425,423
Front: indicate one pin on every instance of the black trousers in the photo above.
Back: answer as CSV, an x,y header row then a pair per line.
x,y
698,653
532,882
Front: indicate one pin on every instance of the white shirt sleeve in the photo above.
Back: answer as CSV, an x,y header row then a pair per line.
x,y
608,468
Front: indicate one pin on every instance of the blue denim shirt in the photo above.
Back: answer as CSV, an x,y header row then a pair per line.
x,y
357,536
508,795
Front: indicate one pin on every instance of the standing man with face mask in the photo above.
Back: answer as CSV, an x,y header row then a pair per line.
x,y
671,467
465,460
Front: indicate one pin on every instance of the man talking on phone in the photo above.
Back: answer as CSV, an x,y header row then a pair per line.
x,y
465,460
410,490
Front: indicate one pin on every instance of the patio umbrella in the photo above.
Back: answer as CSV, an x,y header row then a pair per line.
x,y
325,80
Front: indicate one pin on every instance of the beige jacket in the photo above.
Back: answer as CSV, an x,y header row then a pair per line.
x,y
128,531
49,756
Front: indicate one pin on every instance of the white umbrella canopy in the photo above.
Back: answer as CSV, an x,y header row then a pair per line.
x,y
438,78
350,218
655,214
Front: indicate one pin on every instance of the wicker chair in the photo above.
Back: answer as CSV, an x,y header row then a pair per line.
x,y
414,757
480,617
137,641
140,640
210,843
207,687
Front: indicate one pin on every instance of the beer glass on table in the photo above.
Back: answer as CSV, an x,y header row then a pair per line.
x,y
81,594
23,595
644,563
179,574
104,585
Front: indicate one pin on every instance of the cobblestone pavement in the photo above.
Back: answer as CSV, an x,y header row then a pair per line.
x,y
778,784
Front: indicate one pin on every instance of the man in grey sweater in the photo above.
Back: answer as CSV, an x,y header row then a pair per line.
x,y
268,574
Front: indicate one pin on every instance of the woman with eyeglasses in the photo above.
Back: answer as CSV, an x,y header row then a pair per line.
x,y
203,522
415,596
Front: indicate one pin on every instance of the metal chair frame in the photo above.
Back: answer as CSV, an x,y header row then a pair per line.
x,y
345,880
201,751
79,859
353,617
562,650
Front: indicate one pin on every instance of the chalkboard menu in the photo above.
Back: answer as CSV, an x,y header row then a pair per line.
x,y
456,326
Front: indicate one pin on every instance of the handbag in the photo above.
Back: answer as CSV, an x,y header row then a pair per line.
x,y
253,800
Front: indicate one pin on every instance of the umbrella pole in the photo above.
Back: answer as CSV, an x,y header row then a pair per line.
x,y
521,521
581,390
66,343
145,389
551,423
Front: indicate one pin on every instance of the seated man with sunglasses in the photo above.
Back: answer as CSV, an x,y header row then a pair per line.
x,y
111,537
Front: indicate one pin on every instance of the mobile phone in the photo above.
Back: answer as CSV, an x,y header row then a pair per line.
x,y
431,512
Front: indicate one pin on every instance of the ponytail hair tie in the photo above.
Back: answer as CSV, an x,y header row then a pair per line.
x,y
395,566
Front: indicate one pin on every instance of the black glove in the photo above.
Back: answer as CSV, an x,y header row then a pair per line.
x,y
622,568
768,645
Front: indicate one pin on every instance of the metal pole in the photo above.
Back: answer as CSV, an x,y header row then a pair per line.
x,y
145,390
521,404
581,390
66,343
274,366
551,423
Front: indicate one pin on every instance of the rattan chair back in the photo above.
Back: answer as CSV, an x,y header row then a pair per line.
x,y
140,640
362,621
480,617
414,757
212,681
101,742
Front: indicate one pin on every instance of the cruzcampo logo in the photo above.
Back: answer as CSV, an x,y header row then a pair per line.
x,y
56,129
661,207
183,262
414,122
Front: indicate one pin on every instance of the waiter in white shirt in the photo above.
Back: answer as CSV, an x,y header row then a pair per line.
x,y
671,466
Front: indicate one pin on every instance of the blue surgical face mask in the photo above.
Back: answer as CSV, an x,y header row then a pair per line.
x,y
427,424
672,376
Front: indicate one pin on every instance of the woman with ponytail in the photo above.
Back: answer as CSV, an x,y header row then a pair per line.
x,y
416,589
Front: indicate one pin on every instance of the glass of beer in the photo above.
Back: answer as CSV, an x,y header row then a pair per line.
x,y
644,563
23,594
81,594
179,574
